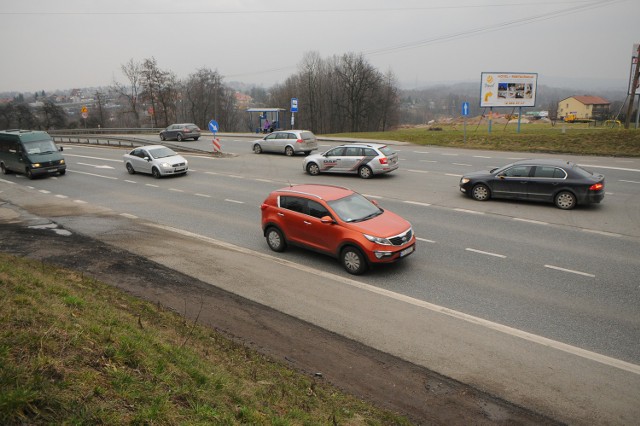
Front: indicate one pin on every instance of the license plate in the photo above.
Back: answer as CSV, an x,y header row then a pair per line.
x,y
179,169
406,251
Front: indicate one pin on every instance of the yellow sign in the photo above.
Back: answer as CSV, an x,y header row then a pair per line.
x,y
84,109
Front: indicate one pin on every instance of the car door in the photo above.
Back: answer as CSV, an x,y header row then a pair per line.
x,y
331,159
512,182
280,141
545,181
139,162
270,143
351,159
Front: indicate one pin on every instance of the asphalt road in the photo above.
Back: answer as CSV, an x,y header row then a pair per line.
x,y
561,279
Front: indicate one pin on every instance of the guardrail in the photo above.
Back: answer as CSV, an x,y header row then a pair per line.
x,y
102,131
118,141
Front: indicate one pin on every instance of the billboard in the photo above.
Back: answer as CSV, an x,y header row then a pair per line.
x,y
508,89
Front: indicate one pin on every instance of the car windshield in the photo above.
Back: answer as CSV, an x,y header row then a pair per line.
x,y
40,147
161,152
355,208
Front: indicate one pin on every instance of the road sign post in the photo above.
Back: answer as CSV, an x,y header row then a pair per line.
x,y
213,127
465,114
294,109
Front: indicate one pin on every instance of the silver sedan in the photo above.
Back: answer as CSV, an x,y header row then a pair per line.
x,y
157,160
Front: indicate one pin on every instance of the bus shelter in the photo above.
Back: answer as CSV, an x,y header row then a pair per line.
x,y
265,120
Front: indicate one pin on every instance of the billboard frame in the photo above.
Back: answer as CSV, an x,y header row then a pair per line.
x,y
508,89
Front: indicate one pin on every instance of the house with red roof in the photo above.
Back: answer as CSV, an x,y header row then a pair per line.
x,y
583,108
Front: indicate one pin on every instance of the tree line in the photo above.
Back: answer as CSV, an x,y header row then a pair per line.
x,y
339,94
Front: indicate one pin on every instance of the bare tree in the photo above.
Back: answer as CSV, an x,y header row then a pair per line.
x,y
53,116
132,71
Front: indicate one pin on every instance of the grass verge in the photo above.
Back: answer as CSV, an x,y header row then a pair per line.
x,y
77,351
533,137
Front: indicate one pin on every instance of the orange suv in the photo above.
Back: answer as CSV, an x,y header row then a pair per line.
x,y
338,222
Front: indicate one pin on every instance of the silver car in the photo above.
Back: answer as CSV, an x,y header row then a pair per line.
x,y
364,159
288,142
157,160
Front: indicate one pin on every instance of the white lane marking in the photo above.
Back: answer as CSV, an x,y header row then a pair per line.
x,y
515,158
462,164
425,240
452,174
481,156
609,167
605,233
264,180
202,195
236,176
502,256
449,155
417,171
557,268
537,222
44,191
79,202
417,203
628,181
61,196
234,201
428,161
210,173
421,152
127,215
151,185
93,174
101,166
130,181
574,350
92,158
468,211
7,181
175,190
377,197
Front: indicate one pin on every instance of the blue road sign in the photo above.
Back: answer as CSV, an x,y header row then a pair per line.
x,y
465,109
213,126
294,104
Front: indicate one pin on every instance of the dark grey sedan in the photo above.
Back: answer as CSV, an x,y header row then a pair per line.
x,y
180,132
563,183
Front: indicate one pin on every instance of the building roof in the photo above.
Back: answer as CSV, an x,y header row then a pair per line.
x,y
590,100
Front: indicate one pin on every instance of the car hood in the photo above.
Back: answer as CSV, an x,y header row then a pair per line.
x,y
173,159
478,174
388,224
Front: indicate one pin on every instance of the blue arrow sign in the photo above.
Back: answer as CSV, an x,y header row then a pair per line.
x,y
465,109
213,126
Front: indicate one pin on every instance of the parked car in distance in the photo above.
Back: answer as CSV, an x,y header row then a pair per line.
x,y
288,142
157,160
180,132
364,159
336,221
563,183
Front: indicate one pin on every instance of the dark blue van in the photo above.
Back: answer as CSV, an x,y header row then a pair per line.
x,y
32,153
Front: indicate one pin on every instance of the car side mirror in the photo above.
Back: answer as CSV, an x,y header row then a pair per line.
x,y
147,158
501,176
61,148
326,219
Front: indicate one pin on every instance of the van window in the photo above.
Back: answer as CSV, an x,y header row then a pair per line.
x,y
40,147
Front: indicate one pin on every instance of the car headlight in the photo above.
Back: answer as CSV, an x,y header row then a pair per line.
x,y
165,165
378,240
464,180
61,161
35,165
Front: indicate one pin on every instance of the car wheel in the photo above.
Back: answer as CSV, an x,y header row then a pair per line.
x,y
130,169
288,151
307,152
481,192
353,261
4,169
156,173
257,149
313,169
62,172
179,137
29,173
565,200
275,239
162,138
195,139
365,172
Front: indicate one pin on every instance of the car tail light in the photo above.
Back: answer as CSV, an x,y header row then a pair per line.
x,y
186,130
384,160
299,141
596,186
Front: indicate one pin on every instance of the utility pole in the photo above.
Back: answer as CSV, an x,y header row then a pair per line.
x,y
634,86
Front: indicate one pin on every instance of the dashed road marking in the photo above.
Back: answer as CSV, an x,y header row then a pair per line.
x,y
127,215
537,222
608,234
462,164
425,240
628,181
452,174
202,195
417,171
502,256
417,203
557,268
468,211
234,201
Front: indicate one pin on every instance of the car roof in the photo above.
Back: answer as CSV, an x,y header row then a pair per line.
x,y
546,162
365,145
324,192
152,146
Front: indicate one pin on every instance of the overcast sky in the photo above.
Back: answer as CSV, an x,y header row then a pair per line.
x,y
63,44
